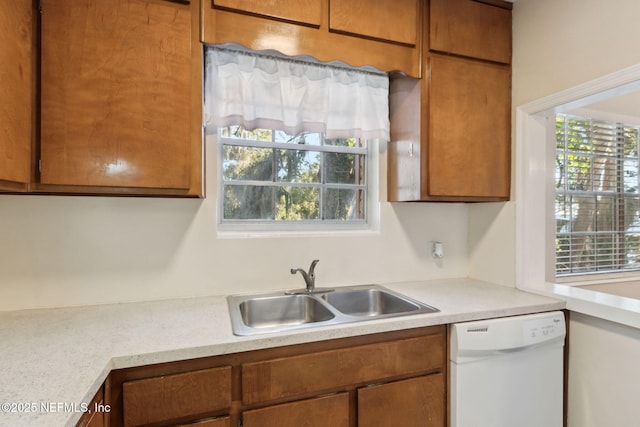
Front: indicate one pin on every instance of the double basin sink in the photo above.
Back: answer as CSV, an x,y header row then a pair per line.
x,y
280,312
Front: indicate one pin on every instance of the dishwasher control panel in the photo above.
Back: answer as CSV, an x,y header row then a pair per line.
x,y
506,334
539,330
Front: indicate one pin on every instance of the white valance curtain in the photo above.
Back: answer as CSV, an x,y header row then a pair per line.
x,y
265,90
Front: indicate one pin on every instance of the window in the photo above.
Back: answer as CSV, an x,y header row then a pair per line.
x,y
267,175
297,140
596,207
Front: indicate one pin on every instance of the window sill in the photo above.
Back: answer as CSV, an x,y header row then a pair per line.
x,y
284,234
602,305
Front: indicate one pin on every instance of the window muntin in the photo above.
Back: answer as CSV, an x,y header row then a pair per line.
x,y
596,206
267,176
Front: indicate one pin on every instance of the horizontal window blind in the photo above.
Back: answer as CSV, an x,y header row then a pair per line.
x,y
596,207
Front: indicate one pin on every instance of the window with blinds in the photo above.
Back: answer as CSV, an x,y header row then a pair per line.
x,y
596,206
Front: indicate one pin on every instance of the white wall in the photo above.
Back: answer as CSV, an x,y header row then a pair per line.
x,y
604,379
60,251
558,44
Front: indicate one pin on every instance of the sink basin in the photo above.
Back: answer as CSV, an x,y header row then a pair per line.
x,y
280,312
370,302
283,310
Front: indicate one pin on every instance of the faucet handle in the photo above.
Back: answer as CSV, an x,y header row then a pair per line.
x,y
312,267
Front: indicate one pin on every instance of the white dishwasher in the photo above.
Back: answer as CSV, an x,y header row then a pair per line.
x,y
508,372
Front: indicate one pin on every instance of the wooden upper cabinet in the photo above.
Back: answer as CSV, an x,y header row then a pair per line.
x,y
469,136
121,98
477,29
384,34
307,12
16,93
390,20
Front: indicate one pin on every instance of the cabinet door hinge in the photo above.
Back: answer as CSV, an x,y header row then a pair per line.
x,y
40,6
40,165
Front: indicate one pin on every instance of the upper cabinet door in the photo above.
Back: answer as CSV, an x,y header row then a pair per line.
x,y
471,28
389,20
117,86
385,34
469,136
301,11
16,93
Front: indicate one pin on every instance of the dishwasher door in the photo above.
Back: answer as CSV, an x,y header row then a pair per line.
x,y
508,372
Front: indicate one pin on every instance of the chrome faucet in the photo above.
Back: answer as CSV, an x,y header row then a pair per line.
x,y
309,279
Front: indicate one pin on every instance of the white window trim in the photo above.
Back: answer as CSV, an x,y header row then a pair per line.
x,y
535,255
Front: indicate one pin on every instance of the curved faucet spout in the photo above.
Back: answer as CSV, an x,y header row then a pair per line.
x,y
310,277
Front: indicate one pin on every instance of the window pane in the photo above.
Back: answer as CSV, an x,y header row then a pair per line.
x,y
579,173
343,204
342,168
248,202
298,165
248,163
298,203
631,175
302,138
583,213
632,256
606,214
238,132
346,142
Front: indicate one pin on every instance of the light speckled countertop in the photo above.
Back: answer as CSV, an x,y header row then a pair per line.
x,y
61,356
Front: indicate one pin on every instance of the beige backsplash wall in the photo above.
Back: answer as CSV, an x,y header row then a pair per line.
x,y
67,250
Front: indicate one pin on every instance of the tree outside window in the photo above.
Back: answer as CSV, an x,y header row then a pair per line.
x,y
596,208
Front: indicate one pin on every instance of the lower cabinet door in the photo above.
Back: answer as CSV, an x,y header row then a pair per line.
x,y
212,422
414,402
323,411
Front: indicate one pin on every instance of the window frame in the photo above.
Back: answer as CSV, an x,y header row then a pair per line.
x,y
273,227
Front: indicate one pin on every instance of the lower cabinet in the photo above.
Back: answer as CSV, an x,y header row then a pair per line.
x,y
323,411
413,402
387,379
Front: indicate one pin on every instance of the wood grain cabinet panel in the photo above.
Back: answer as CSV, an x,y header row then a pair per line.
x,y
384,34
301,11
471,28
391,20
212,422
120,96
469,138
16,93
413,402
323,411
179,396
289,376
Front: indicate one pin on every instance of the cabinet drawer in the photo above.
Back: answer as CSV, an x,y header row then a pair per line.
x,y
412,402
289,376
177,396
470,28
319,412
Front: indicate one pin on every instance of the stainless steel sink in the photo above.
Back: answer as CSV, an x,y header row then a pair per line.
x,y
278,312
371,302
285,310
